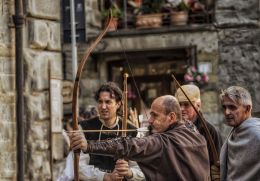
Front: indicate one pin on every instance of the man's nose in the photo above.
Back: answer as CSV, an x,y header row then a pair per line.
x,y
226,111
182,108
150,121
103,105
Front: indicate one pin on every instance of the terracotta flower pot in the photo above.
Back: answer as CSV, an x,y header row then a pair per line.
x,y
179,17
149,21
113,24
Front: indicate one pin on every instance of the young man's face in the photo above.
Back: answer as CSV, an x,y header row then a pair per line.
x,y
107,107
187,111
158,120
234,113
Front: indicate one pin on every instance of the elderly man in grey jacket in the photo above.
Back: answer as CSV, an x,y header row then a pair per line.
x,y
239,158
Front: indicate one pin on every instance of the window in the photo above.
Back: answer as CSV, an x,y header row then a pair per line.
x,y
79,21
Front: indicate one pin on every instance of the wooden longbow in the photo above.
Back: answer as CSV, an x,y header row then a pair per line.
x,y
76,91
203,121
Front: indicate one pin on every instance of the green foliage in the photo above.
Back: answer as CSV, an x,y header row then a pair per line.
x,y
177,5
183,6
151,6
116,12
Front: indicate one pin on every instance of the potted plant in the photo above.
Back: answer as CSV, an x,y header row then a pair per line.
x,y
179,11
115,13
149,14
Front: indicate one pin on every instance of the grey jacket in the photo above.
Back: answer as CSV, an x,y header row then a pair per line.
x,y
239,158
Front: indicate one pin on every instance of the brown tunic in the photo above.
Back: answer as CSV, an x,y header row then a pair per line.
x,y
180,153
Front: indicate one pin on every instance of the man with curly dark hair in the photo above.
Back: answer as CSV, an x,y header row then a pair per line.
x,y
109,99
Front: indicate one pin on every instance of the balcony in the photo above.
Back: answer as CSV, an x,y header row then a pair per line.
x,y
128,14
162,15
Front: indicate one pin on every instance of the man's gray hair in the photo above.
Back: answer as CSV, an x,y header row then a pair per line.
x,y
171,104
237,94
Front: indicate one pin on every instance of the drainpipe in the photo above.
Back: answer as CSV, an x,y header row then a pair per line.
x,y
74,58
19,21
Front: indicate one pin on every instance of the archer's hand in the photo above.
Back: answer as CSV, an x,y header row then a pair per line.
x,y
78,141
114,176
122,168
134,117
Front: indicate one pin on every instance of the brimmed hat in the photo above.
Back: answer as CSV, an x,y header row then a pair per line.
x,y
192,91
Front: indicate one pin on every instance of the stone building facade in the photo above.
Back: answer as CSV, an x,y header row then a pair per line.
x,y
231,45
42,50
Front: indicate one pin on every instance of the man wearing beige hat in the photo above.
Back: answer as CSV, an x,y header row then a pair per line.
x,y
189,114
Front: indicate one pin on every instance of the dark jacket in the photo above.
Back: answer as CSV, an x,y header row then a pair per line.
x,y
178,154
215,134
104,163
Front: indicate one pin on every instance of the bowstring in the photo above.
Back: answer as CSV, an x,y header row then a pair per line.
x,y
132,75
131,71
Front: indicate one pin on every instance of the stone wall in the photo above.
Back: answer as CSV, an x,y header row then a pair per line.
x,y
239,50
7,93
42,52
42,45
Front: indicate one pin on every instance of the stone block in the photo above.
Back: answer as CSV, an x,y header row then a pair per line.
x,y
37,106
5,51
39,135
37,69
5,36
56,65
7,83
54,42
39,166
44,34
48,9
7,137
7,165
7,65
38,34
57,146
6,99
7,112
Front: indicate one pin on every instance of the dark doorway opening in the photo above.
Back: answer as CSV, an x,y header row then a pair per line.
x,y
149,71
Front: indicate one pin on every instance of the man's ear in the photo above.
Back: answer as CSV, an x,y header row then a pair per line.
x,y
173,116
248,108
198,105
119,104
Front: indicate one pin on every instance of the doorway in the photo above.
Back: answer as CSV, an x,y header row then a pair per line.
x,y
150,72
